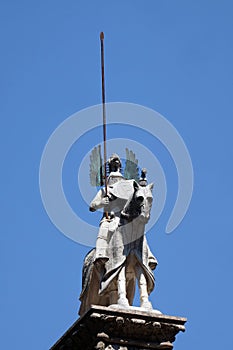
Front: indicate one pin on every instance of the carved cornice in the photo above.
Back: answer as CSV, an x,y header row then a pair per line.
x,y
109,328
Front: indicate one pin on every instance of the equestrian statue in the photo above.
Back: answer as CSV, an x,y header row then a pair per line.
x,y
122,255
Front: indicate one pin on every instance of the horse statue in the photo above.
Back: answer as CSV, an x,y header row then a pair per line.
x,y
122,256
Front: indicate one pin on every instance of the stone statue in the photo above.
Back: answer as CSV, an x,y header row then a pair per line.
x,y
111,205
122,254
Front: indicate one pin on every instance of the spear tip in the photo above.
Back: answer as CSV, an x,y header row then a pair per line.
x,y
102,36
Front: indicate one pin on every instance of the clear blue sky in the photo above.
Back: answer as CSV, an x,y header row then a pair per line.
x,y
172,56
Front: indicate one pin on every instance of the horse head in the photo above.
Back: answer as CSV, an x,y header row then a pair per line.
x,y
139,204
144,196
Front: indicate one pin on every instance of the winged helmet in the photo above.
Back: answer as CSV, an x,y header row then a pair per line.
x,y
130,165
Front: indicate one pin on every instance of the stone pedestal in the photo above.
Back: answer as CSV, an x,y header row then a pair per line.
x,y
106,328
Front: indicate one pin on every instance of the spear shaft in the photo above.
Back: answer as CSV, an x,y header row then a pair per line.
x,y
104,114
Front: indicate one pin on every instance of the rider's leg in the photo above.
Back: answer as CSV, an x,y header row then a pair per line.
x,y
102,243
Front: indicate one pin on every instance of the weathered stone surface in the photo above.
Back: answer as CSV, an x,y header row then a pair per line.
x,y
121,329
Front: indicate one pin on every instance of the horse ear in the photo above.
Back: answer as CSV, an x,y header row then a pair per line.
x,y
151,186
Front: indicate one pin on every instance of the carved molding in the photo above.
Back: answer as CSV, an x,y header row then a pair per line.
x,y
106,328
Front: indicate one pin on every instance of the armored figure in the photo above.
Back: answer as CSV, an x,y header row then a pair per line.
x,y
112,206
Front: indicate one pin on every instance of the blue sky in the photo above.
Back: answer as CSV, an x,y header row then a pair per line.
x,y
172,56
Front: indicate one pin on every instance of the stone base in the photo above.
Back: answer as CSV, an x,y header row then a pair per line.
x,y
107,328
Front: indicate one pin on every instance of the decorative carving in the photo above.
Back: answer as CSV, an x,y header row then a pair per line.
x,y
100,346
121,329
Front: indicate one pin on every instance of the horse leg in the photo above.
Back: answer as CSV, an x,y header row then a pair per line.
x,y
142,285
121,284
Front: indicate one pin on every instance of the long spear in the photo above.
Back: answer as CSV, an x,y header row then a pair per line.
x,y
104,115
